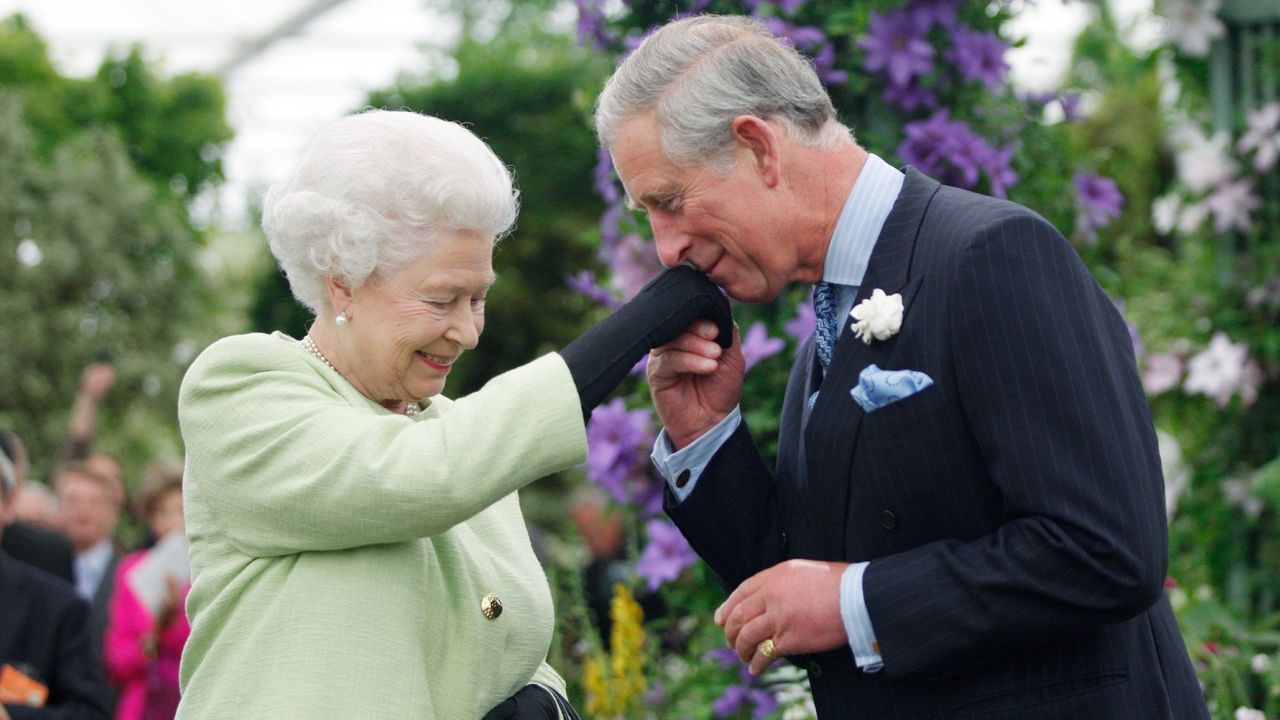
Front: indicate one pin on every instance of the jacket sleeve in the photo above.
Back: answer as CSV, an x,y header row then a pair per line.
x,y
1048,383
731,518
282,462
76,688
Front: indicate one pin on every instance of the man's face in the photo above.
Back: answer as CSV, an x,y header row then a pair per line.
x,y
722,225
89,512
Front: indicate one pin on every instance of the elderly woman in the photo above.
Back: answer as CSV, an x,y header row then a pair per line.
x,y
357,546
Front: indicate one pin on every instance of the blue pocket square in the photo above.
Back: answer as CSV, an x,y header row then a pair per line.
x,y
877,388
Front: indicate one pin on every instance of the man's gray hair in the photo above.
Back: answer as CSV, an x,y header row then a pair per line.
x,y
374,190
700,73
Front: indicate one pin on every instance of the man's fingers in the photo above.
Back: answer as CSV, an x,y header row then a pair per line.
x,y
743,591
752,633
692,342
674,363
743,613
760,663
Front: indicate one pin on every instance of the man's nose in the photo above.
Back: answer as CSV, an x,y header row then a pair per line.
x,y
673,245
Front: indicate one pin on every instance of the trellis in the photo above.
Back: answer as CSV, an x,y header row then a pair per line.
x,y
1245,75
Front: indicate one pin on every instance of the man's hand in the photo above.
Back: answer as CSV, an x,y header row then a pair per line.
x,y
796,603
694,382
97,380
4,714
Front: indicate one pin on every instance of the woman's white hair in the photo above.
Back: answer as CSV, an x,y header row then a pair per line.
x,y
699,73
373,190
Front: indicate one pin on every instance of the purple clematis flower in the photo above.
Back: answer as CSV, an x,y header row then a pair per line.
x,y
584,283
910,97
634,262
591,24
736,697
1000,172
895,45
948,150
1099,200
936,12
757,345
1070,106
605,186
801,36
788,7
824,63
610,228
979,56
803,324
666,555
619,441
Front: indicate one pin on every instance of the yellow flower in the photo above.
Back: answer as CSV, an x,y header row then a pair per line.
x,y
618,694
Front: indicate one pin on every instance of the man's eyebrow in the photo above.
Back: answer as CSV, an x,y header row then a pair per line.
x,y
651,197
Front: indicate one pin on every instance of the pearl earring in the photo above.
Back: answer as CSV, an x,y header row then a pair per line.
x,y
341,319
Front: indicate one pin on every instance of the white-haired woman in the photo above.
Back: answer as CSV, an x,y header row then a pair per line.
x,y
357,545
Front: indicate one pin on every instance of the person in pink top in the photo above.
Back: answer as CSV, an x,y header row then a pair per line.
x,y
142,648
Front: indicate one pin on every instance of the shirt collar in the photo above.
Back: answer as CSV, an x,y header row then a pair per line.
x,y
90,566
861,220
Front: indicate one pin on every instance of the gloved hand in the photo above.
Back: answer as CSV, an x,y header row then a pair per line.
x,y
665,307
533,702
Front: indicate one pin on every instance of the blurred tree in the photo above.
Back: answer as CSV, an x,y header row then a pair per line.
x,y
99,251
172,128
522,93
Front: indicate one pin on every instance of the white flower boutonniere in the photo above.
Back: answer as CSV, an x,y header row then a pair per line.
x,y
879,317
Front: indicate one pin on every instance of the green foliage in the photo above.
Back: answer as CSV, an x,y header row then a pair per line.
x,y
1181,289
173,128
99,254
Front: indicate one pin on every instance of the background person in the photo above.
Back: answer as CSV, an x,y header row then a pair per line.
x,y
356,539
90,510
31,536
43,638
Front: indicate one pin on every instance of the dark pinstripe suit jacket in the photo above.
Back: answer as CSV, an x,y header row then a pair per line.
x,y
1013,512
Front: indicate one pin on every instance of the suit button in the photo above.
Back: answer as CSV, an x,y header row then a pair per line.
x,y
815,670
682,479
888,520
491,606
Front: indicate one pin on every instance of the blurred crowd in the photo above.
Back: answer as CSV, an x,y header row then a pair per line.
x,y
89,627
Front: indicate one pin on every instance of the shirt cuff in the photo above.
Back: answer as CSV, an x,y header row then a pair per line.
x,y
682,468
853,610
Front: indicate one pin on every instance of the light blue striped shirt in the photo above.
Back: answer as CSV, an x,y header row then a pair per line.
x,y
860,223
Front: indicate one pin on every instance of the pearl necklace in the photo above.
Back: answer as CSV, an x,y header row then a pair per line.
x,y
309,345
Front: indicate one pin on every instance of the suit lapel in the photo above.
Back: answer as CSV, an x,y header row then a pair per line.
x,y
832,429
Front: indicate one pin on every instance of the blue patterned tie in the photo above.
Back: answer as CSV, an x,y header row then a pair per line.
x,y
824,307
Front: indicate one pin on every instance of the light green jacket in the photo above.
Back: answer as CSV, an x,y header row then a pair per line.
x,y
340,551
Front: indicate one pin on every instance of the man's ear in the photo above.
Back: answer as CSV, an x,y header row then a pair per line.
x,y
758,140
340,295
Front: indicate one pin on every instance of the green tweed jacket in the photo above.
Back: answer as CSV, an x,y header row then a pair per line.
x,y
340,551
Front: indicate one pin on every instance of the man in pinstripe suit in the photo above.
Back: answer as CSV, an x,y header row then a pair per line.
x,y
966,517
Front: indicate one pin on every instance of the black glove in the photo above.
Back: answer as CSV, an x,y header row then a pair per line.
x,y
533,702
665,307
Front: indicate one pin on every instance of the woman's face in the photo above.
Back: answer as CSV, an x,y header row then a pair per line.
x,y
407,328
166,515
